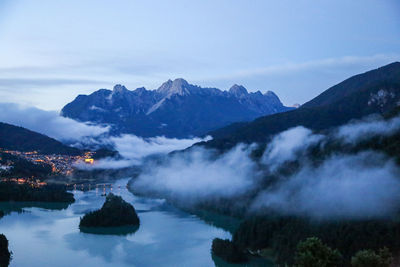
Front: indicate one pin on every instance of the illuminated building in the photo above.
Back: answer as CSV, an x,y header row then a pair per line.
x,y
89,161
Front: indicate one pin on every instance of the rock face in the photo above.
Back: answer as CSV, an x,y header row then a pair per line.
x,y
115,212
175,109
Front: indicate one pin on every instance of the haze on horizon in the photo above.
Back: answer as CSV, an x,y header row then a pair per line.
x,y
52,51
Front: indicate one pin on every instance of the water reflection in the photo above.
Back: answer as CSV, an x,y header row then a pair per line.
x,y
254,262
19,207
121,230
48,235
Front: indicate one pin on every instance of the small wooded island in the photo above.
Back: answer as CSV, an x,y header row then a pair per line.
x,y
5,254
114,213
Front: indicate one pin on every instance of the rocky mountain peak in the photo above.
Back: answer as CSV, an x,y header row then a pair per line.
x,y
270,94
140,90
118,88
238,90
178,86
179,82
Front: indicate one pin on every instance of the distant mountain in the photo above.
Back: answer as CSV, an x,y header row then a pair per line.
x,y
376,91
175,109
21,139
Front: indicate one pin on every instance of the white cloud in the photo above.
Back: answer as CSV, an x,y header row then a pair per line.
x,y
347,186
200,175
49,123
364,129
289,145
134,149
343,186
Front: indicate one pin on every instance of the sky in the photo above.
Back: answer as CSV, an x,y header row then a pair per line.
x,y
51,51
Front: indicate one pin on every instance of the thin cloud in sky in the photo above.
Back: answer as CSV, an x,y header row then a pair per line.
x,y
321,63
266,45
23,83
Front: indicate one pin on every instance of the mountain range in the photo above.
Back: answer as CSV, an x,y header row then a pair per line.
x,y
375,91
175,109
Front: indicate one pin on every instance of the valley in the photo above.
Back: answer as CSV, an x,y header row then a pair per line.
x,y
200,133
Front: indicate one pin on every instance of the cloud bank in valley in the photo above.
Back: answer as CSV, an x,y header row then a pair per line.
x,y
369,127
289,145
349,186
199,174
49,123
365,184
82,135
134,149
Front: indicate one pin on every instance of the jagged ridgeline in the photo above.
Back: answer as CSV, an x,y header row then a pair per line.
x,y
175,109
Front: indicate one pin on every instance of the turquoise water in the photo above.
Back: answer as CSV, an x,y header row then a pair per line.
x,y
40,236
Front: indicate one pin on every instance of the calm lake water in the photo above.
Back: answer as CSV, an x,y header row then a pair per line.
x,y
167,236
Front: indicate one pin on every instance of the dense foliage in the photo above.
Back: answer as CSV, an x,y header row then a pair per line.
x,y
24,168
21,139
1,214
115,212
5,254
313,253
10,191
228,251
104,153
282,234
369,258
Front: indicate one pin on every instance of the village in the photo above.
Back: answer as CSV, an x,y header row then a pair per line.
x,y
60,164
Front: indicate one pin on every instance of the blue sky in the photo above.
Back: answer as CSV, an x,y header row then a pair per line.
x,y
51,51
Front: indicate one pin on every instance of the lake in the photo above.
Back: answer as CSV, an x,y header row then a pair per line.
x,y
40,236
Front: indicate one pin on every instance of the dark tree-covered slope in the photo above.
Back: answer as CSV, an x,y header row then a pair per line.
x,y
389,73
376,91
21,139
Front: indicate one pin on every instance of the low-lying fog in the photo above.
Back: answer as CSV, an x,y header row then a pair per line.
x,y
358,185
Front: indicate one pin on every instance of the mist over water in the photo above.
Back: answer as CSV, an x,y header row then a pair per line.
x,y
347,186
341,186
200,174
